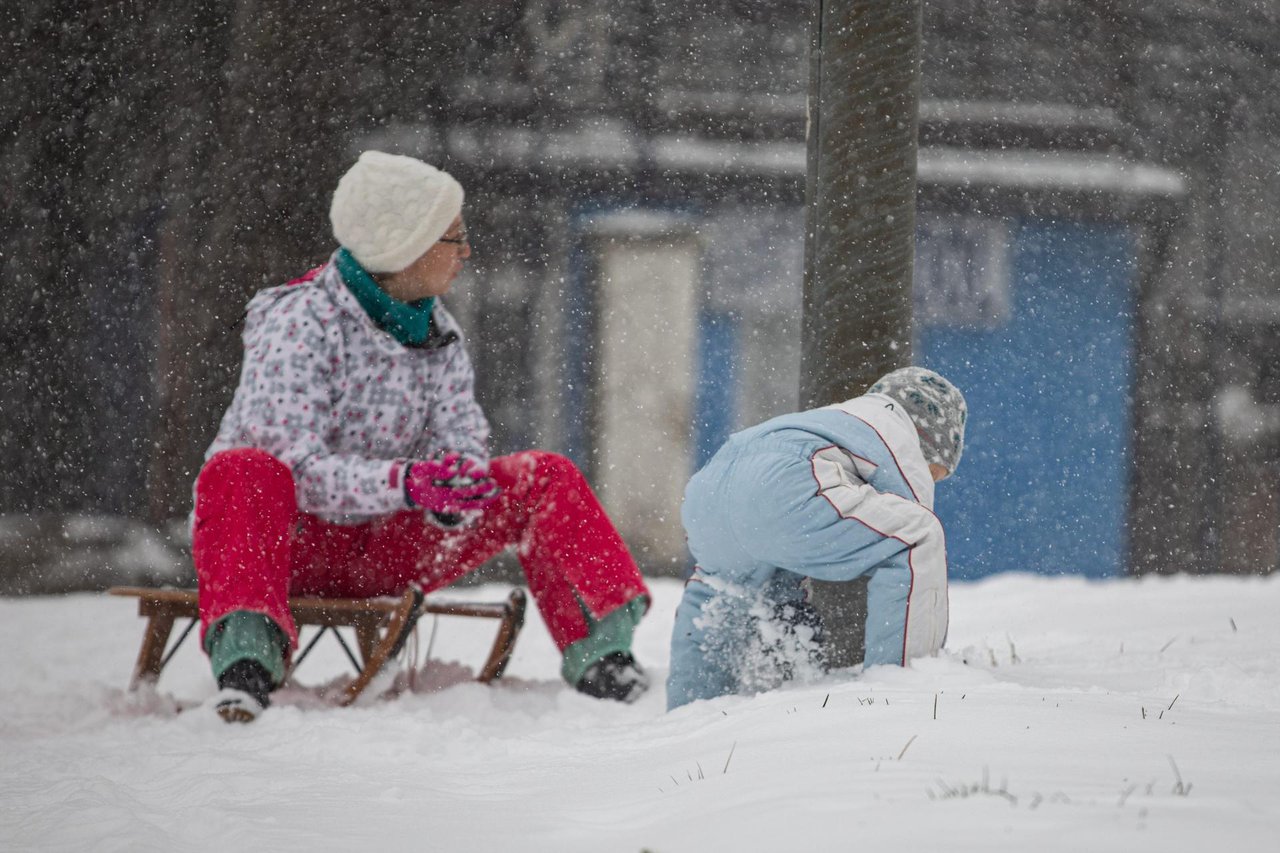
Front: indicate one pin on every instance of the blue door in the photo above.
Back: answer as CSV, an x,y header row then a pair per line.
x,y
1046,366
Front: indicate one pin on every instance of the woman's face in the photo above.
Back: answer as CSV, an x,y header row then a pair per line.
x,y
434,272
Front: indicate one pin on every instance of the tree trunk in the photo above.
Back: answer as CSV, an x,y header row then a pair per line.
x,y
864,93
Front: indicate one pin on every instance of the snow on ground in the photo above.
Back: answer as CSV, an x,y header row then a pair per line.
x,y
1064,715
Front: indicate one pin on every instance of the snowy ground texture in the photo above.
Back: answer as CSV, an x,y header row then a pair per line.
x,y
1064,715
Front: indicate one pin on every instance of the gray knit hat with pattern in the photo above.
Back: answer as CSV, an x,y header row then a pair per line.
x,y
937,408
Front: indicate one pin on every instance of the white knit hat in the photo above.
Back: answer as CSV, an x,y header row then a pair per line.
x,y
388,210
937,408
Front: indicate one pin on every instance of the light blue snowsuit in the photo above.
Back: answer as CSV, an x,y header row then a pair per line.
x,y
832,494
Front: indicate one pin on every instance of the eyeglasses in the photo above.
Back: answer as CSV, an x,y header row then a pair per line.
x,y
460,240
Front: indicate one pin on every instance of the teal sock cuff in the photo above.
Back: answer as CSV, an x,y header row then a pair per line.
x,y
611,634
245,634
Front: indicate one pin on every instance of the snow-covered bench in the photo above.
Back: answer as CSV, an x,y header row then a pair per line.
x,y
382,625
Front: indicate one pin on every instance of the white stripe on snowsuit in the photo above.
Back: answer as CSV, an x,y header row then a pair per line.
x,y
842,480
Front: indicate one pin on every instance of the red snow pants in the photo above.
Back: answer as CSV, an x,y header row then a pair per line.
x,y
253,548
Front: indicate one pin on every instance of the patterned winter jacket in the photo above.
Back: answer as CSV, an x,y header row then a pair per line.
x,y
343,403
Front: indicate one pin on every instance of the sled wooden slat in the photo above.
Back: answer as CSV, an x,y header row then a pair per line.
x,y
375,621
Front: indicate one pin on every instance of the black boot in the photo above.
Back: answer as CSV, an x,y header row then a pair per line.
x,y
245,691
615,676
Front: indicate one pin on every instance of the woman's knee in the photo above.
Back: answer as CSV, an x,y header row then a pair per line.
x,y
245,469
536,467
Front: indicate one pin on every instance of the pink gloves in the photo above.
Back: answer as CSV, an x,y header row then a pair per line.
x,y
450,485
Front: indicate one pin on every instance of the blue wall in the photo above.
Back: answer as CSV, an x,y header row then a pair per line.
x,y
715,396
1043,486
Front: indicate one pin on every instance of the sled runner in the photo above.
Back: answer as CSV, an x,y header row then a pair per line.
x,y
382,625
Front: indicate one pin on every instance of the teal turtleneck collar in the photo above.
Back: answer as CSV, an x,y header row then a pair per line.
x,y
407,322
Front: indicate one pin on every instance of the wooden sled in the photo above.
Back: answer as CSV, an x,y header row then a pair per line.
x,y
382,625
